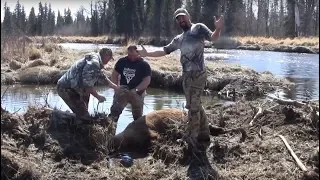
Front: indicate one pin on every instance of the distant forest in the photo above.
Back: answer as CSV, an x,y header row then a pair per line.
x,y
135,18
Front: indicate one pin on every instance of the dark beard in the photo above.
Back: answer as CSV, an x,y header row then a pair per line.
x,y
185,27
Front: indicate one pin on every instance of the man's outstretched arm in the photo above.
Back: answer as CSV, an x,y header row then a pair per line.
x,y
172,46
145,53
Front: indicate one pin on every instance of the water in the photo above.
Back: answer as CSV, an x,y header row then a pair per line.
x,y
18,97
300,68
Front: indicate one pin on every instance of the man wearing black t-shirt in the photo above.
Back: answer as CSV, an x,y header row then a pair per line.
x,y
135,77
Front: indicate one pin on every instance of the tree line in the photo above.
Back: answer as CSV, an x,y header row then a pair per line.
x,y
135,18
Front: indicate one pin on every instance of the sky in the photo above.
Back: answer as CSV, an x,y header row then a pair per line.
x,y
55,5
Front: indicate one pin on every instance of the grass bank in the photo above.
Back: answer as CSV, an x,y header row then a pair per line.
x,y
299,44
49,66
31,148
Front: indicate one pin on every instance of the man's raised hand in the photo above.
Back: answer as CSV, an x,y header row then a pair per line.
x,y
143,52
218,23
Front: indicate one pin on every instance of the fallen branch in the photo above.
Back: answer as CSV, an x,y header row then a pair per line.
x,y
298,161
216,131
4,92
260,133
260,113
287,102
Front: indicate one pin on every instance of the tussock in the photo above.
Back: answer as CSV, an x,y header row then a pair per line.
x,y
14,65
35,63
34,53
39,75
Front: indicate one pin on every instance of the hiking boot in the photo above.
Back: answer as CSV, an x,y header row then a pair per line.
x,y
200,167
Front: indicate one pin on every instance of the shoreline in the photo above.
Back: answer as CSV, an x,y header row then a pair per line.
x,y
297,45
166,74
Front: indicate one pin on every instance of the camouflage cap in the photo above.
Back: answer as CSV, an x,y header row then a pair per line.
x,y
106,51
181,12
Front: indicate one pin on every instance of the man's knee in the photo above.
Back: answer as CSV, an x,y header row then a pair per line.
x,y
114,117
136,117
137,113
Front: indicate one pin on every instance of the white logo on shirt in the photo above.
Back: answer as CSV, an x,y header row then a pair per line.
x,y
129,74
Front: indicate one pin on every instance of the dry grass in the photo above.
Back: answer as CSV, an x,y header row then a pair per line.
x,y
14,48
101,40
67,153
14,65
222,42
299,41
39,75
34,53
35,63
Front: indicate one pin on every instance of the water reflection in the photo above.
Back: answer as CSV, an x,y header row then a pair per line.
x,y
304,73
302,69
19,97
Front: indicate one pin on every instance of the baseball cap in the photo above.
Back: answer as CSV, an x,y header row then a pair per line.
x,y
180,12
132,47
106,51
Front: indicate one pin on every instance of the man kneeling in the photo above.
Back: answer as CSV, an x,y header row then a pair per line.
x,y
76,85
135,77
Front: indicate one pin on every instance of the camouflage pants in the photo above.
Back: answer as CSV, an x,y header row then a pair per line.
x,y
77,101
120,100
193,86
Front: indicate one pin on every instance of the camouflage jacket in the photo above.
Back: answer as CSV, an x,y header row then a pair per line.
x,y
84,73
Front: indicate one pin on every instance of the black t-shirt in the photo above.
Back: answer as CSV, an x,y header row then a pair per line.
x,y
132,73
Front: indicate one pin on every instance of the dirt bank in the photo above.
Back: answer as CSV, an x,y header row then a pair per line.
x,y
297,45
32,148
166,73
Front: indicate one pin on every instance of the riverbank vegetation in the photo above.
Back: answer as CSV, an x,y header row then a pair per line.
x,y
298,44
46,63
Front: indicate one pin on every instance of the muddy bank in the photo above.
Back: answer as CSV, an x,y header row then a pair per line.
x,y
31,147
223,79
297,45
162,41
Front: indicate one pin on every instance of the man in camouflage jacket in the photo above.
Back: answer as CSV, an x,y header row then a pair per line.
x,y
76,85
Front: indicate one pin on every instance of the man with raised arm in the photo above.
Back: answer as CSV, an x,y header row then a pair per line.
x,y
191,45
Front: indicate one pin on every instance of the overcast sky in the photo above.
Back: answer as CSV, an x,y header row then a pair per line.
x,y
55,5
